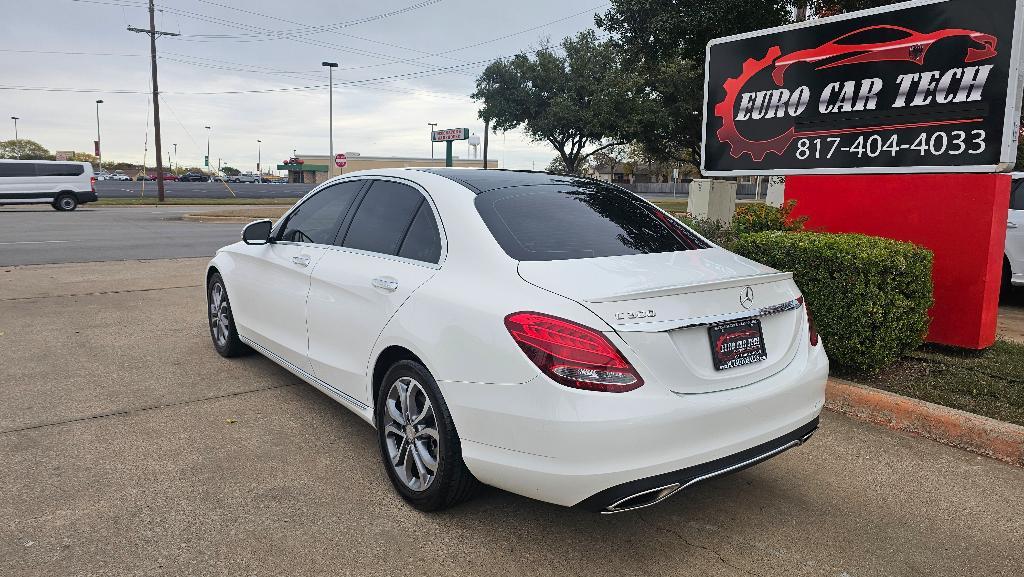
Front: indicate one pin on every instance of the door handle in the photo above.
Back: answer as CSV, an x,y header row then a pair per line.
x,y
1011,224
385,284
301,260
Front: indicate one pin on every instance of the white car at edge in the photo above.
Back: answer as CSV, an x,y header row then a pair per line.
x,y
556,337
1013,261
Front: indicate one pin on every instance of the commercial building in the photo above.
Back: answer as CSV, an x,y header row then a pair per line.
x,y
316,168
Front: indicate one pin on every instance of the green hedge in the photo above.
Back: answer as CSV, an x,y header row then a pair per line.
x,y
869,296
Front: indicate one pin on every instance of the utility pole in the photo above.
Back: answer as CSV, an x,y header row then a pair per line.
x,y
330,75
207,161
99,149
487,131
175,145
15,119
259,153
432,126
153,33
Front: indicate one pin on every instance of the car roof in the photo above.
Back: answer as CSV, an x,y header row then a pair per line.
x,y
480,180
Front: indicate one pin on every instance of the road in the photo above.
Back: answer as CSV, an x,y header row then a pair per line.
x,y
115,189
37,235
130,448
132,189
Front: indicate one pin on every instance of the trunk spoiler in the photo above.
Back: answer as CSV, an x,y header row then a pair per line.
x,y
696,287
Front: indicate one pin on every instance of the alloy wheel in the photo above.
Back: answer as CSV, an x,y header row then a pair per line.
x,y
410,433
219,324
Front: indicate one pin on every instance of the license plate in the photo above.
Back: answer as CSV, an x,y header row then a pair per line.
x,y
736,343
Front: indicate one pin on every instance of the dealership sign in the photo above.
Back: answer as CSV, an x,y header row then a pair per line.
x,y
449,134
913,87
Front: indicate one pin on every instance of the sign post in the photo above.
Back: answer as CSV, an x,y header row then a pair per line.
x,y
447,136
869,112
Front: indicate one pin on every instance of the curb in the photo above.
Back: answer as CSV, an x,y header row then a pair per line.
x,y
219,219
975,433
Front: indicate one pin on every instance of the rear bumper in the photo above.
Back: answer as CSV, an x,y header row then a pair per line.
x,y
84,197
570,447
652,490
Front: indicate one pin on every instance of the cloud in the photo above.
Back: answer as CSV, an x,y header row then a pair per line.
x,y
386,118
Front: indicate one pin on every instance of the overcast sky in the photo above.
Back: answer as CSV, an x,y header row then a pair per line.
x,y
402,64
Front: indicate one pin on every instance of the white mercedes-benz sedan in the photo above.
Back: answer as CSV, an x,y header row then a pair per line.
x,y
556,337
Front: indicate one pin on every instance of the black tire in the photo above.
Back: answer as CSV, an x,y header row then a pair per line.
x,y
222,329
65,202
452,482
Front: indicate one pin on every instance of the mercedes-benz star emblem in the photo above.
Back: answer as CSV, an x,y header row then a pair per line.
x,y
747,298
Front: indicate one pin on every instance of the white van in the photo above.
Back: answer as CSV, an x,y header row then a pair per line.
x,y
63,185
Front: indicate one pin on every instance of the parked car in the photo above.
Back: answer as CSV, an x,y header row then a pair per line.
x,y
170,176
120,177
193,177
1013,261
244,177
556,337
146,177
103,175
63,185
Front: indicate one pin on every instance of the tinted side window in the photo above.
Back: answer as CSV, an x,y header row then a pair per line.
x,y
47,169
422,242
12,169
317,220
383,217
1017,194
581,220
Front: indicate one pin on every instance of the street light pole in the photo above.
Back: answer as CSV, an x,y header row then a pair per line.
x,y
207,147
15,119
99,148
175,153
432,126
330,75
259,152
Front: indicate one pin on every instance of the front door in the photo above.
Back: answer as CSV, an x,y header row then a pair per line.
x,y
391,247
274,282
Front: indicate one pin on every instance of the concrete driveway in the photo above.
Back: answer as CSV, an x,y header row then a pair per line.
x,y
128,447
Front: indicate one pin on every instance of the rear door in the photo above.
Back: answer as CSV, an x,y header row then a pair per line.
x,y
391,246
270,285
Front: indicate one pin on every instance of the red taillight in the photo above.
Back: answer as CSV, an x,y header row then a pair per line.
x,y
572,354
92,183
811,329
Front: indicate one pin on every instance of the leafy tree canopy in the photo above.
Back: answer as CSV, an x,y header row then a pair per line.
x,y
574,98
664,41
230,171
23,149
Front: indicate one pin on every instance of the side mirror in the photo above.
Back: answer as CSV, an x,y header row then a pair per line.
x,y
257,232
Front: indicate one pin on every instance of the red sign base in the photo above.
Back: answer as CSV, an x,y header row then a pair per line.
x,y
960,217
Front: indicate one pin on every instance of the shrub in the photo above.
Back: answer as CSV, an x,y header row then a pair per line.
x,y
869,296
749,218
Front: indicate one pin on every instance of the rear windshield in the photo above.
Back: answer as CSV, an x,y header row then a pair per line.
x,y
584,219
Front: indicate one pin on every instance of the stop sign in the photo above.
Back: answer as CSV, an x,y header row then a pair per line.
x,y
340,160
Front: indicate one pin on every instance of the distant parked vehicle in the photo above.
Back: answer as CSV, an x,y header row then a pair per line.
x,y
121,177
103,176
244,178
170,176
145,177
64,185
193,177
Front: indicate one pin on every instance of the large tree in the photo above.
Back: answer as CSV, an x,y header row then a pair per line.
x,y
574,99
663,41
23,149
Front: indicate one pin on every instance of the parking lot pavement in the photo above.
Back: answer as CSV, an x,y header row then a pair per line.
x,y
130,448
38,235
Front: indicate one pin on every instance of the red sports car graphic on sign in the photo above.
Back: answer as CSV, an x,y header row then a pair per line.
x,y
908,46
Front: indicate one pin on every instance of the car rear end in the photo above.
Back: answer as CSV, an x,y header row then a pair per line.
x,y
695,362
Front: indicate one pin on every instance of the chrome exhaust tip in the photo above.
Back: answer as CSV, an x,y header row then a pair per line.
x,y
642,499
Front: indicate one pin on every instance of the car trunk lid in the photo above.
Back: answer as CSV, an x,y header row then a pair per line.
x,y
662,305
